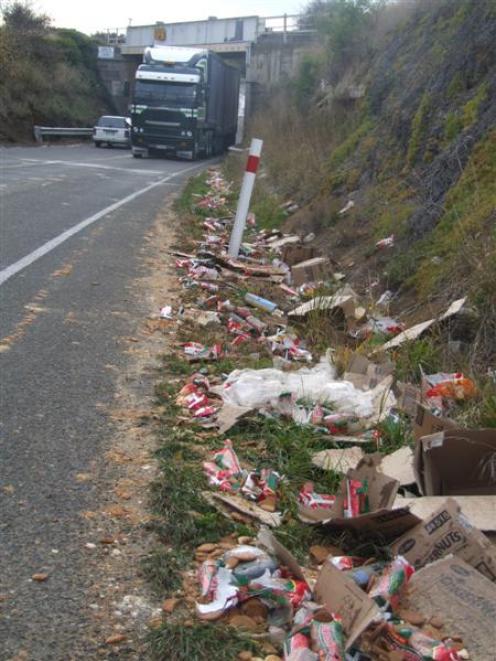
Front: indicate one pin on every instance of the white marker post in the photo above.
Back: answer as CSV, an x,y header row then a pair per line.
x,y
245,196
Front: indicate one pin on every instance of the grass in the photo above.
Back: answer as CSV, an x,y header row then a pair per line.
x,y
424,353
198,642
162,568
419,127
471,109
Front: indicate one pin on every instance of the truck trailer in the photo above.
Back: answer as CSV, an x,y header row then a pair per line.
x,y
184,103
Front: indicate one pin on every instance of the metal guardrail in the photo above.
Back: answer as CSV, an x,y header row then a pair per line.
x,y
41,131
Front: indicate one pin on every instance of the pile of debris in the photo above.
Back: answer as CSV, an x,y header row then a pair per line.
x,y
425,505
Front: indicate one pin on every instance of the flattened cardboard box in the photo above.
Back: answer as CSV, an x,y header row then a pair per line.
x,y
381,520
341,595
293,254
457,462
311,270
446,532
365,374
463,598
425,422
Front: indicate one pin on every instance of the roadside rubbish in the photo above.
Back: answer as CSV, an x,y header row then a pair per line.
x,y
263,388
349,205
411,491
387,242
414,332
310,270
259,302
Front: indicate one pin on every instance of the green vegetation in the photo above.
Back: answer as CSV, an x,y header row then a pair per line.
x,y
466,233
198,642
347,147
49,76
419,128
471,108
453,125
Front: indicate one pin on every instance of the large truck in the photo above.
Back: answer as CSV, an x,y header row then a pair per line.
x,y
185,103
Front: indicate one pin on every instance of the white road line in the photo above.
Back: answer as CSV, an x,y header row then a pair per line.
x,y
47,247
78,164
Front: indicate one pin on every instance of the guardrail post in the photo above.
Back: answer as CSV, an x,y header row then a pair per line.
x,y
245,196
37,134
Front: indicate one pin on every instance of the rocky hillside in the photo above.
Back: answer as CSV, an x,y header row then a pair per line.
x,y
401,120
48,76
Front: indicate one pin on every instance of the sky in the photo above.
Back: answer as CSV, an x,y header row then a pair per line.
x,y
98,15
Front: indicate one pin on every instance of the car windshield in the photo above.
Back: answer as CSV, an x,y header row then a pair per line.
x,y
177,95
112,122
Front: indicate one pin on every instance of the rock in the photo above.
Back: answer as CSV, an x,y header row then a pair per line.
x,y
436,622
206,548
39,578
169,605
412,617
245,656
107,540
319,553
272,657
243,622
268,504
255,609
244,540
116,638
395,655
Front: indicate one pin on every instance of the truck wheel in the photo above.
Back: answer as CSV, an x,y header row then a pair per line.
x,y
135,155
98,144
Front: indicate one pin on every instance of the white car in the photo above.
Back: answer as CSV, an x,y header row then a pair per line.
x,y
113,131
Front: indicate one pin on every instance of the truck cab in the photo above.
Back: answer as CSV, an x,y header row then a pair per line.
x,y
179,101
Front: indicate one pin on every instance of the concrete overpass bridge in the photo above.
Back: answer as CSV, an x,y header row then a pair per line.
x,y
265,49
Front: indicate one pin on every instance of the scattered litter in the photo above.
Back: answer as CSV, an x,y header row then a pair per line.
x,y
311,270
435,593
388,242
413,333
349,205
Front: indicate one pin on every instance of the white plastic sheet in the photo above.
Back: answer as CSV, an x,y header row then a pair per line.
x,y
257,389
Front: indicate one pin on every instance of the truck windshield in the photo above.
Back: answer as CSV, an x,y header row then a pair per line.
x,y
165,93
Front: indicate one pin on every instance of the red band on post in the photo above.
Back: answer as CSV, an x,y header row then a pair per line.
x,y
252,163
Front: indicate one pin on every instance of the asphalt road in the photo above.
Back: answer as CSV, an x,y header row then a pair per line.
x,y
72,220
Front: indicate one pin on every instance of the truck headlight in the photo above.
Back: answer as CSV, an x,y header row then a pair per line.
x,y
189,133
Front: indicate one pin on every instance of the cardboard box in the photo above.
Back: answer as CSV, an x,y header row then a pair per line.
x,y
425,422
341,595
409,397
447,531
344,299
457,462
479,510
293,254
311,270
416,331
334,590
382,520
398,464
463,598
365,374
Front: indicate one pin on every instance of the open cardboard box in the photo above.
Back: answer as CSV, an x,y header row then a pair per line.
x,y
447,531
457,462
337,592
382,520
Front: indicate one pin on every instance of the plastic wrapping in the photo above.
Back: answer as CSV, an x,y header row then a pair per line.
x,y
260,388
